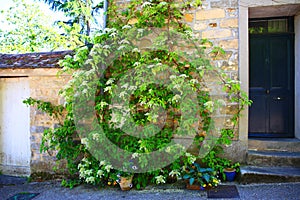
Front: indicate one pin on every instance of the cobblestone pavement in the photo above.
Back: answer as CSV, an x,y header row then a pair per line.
x,y
52,190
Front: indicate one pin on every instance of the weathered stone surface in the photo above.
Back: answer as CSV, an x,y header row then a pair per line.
x,y
216,33
224,3
200,26
272,158
229,44
43,88
229,23
188,17
210,14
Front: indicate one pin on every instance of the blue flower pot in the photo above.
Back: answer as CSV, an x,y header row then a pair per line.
x,y
230,174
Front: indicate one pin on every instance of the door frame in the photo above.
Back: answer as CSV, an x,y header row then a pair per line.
x,y
244,63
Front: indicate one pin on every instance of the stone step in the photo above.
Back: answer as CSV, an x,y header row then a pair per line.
x,y
273,158
274,144
255,174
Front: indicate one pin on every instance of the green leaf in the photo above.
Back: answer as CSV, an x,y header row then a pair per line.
x,y
192,181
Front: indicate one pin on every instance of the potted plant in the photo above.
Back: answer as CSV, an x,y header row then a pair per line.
x,y
231,170
199,178
125,180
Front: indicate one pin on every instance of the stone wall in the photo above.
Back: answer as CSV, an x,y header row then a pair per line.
x,y
217,21
44,84
44,88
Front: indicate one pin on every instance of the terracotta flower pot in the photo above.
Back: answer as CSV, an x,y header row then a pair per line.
x,y
193,187
125,183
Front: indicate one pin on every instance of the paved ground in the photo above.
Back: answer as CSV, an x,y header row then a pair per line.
x,y
52,190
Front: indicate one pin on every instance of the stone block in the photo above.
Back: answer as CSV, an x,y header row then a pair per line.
x,y
200,26
210,14
216,33
188,17
229,23
37,129
229,44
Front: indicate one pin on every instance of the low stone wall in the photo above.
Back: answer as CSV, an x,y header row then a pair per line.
x,y
44,84
44,88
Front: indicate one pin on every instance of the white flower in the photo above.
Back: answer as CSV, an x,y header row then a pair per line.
x,y
124,42
84,141
103,103
160,179
150,66
134,167
84,91
168,149
209,106
121,47
194,81
136,50
100,173
200,68
132,87
126,26
106,46
183,75
136,64
163,3
114,34
90,179
122,94
174,173
102,162
107,89
146,4
96,136
108,168
125,86
191,158
89,172
173,77
109,81
134,155
176,98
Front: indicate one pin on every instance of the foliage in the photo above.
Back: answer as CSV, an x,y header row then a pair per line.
x,y
81,12
28,30
125,84
214,161
202,176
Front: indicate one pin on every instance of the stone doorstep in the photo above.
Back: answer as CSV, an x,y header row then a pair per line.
x,y
277,144
273,158
255,174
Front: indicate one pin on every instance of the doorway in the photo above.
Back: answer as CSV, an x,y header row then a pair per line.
x,y
15,150
271,77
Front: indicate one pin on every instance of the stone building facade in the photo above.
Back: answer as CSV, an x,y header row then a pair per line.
x,y
226,24
22,76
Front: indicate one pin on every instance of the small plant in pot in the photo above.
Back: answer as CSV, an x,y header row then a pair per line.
x,y
125,180
199,178
231,170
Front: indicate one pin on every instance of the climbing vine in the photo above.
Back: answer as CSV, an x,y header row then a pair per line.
x,y
143,83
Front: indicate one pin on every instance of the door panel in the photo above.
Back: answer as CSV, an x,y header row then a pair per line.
x,y
257,122
14,126
271,86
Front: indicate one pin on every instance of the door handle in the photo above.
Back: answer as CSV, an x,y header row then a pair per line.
x,y
278,98
267,91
